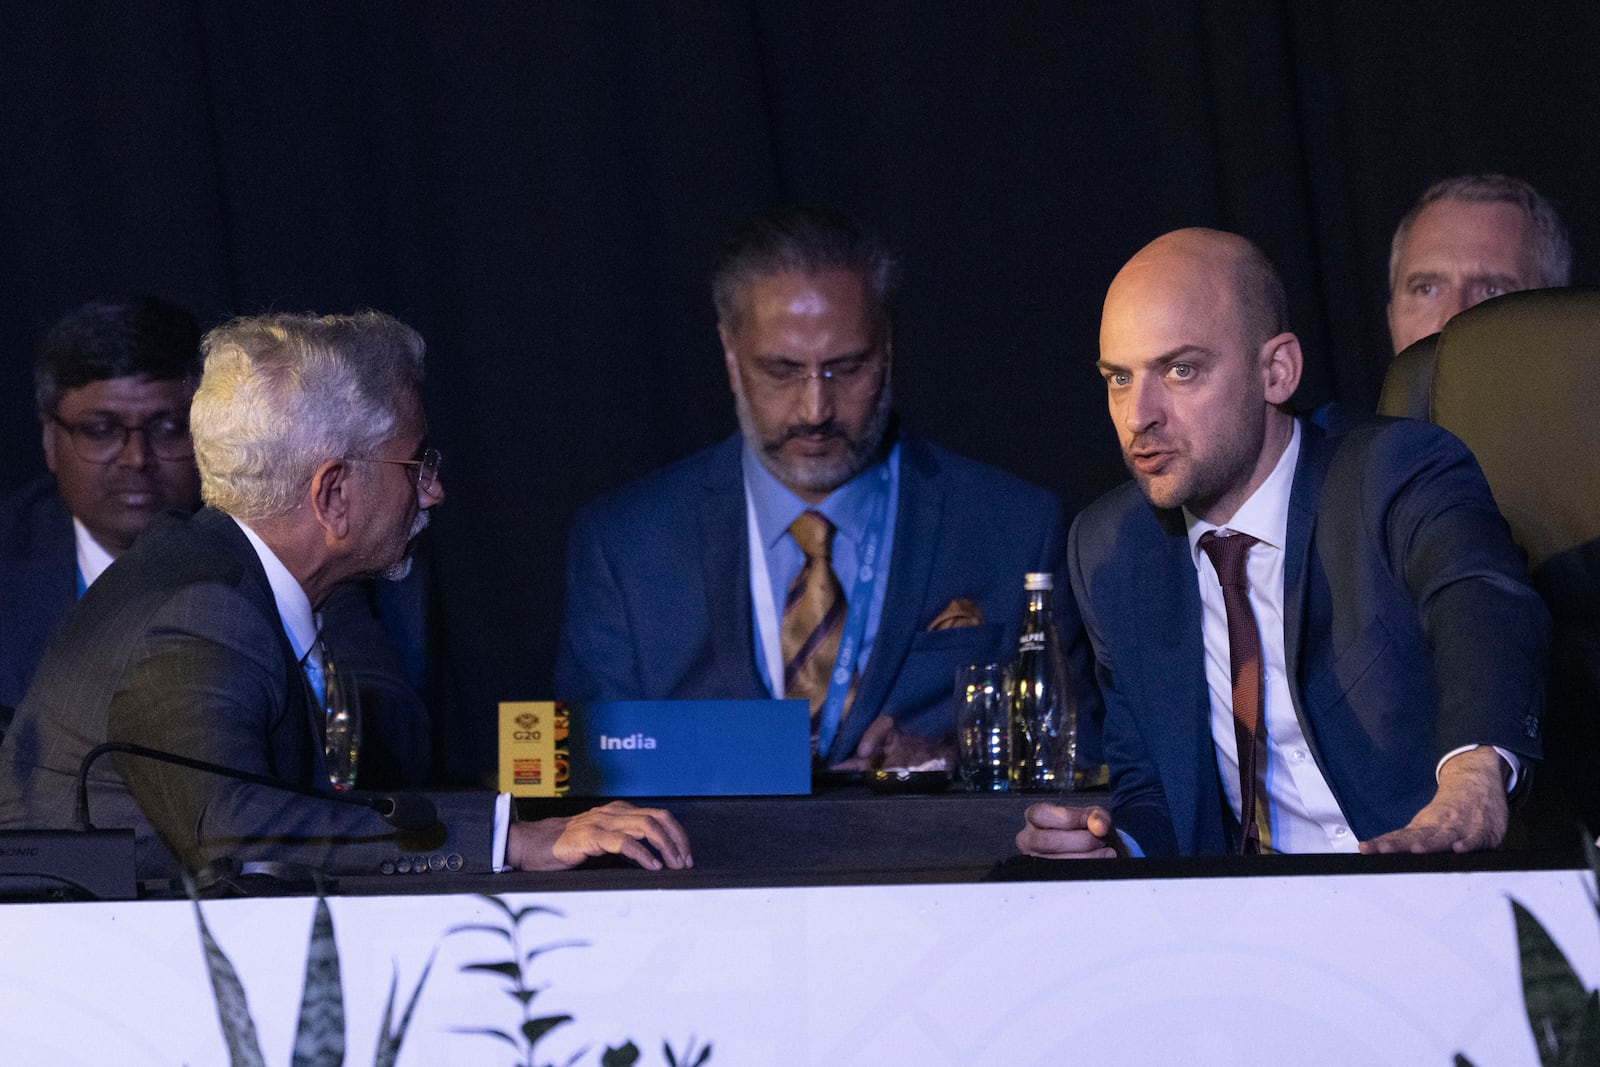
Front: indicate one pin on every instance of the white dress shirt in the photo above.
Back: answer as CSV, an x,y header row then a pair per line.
x,y
93,559
1301,810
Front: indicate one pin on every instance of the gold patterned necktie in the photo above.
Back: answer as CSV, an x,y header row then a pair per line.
x,y
813,616
1229,556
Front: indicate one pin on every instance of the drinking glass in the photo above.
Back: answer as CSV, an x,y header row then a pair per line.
x,y
983,727
342,738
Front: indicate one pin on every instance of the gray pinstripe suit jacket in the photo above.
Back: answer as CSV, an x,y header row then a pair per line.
x,y
179,646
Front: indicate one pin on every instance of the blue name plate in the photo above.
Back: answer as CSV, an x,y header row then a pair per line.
x,y
685,748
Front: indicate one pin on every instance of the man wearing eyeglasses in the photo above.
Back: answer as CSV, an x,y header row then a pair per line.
x,y
111,384
202,640
818,554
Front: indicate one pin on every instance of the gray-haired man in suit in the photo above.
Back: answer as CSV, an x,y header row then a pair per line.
x,y
202,639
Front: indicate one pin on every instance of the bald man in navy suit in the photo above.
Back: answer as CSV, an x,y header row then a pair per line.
x,y
1400,651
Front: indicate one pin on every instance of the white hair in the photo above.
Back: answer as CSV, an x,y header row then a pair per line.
x,y
280,394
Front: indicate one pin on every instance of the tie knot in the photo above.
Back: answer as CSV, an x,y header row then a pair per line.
x,y
1228,555
814,534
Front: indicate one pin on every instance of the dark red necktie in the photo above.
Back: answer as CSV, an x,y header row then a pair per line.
x,y
1229,555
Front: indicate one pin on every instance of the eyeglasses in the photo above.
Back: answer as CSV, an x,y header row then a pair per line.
x,y
102,440
427,471
846,374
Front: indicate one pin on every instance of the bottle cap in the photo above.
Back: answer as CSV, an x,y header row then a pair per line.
x,y
1038,580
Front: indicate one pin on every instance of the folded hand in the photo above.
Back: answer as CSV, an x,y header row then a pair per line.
x,y
884,745
1055,831
616,828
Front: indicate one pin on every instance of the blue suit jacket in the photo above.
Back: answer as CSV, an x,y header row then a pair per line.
x,y
38,582
658,587
179,647
1409,631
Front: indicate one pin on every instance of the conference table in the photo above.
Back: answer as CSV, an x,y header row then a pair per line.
x,y
844,927
843,833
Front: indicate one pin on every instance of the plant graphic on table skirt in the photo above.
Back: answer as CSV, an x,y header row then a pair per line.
x,y
1564,1017
319,1037
513,972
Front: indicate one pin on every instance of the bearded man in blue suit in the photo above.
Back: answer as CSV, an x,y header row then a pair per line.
x,y
687,584
1398,651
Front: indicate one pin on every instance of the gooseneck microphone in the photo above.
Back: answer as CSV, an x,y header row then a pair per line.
x,y
403,811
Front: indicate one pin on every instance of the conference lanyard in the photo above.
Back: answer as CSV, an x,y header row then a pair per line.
x,y
855,622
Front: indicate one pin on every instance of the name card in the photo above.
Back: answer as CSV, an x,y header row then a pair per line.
x,y
656,748
533,748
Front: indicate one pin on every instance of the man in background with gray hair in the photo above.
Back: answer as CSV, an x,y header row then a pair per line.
x,y
202,639
1465,240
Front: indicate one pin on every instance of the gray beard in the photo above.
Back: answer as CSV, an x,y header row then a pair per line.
x,y
400,570
816,477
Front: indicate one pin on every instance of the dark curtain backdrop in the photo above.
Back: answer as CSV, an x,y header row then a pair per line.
x,y
536,187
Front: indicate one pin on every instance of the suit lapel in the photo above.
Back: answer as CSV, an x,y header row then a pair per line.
x,y
301,701
919,512
725,573
1172,665
1310,471
47,582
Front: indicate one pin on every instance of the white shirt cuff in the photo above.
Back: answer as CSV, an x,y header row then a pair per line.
x,y
502,830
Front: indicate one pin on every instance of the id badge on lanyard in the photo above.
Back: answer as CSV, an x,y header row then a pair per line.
x,y
855,622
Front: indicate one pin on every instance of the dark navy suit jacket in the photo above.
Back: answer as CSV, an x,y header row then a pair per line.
x,y
38,582
1409,631
658,587
179,647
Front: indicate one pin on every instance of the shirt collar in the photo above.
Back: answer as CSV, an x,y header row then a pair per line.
x,y
848,507
93,559
294,607
1265,515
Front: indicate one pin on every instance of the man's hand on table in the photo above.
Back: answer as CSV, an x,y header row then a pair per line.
x,y
617,828
1468,812
884,745
1057,832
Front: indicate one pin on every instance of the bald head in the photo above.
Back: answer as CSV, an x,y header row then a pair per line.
x,y
1217,270
1199,369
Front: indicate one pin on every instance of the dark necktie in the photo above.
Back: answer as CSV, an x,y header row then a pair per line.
x,y
813,615
313,662
1229,555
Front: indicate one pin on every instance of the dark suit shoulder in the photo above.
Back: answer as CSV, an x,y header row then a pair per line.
x,y
643,498
1352,429
1120,514
966,475
205,546
33,524
1374,455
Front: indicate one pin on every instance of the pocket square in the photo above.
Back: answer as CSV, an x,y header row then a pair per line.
x,y
958,613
